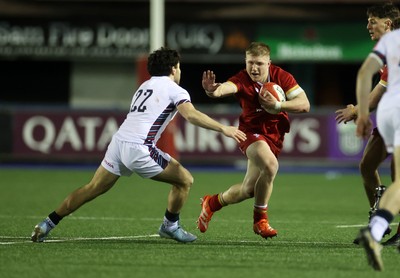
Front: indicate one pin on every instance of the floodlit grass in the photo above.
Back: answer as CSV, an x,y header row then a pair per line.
x,y
317,217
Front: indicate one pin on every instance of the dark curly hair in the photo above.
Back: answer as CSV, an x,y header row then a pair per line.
x,y
387,10
161,61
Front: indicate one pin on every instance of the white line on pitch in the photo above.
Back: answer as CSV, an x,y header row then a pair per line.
x,y
76,239
91,218
358,225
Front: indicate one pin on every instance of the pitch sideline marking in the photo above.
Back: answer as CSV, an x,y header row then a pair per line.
x,y
95,218
146,236
358,225
74,239
128,237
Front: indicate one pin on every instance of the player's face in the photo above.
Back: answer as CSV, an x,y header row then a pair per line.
x,y
177,73
257,67
377,27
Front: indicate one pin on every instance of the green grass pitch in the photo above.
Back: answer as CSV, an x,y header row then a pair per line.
x,y
317,216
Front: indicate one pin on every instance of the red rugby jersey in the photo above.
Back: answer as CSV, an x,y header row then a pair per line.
x,y
254,118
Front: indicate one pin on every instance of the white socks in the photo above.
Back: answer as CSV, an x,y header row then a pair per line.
x,y
378,226
169,225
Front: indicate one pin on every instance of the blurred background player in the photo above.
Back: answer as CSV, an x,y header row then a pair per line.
x,y
133,147
265,133
381,20
387,51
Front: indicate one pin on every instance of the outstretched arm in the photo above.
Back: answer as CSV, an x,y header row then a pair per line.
x,y
215,90
194,116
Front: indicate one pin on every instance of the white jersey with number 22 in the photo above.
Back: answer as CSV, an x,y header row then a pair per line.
x,y
153,106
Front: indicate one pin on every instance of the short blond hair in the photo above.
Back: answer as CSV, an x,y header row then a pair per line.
x,y
258,49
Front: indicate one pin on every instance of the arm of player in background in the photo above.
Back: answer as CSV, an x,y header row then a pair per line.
x,y
349,113
375,96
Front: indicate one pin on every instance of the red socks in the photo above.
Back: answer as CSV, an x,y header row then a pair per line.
x,y
259,213
215,203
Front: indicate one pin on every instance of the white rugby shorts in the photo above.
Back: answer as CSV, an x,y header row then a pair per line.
x,y
388,123
124,158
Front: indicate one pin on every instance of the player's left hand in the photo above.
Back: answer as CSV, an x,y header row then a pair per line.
x,y
234,132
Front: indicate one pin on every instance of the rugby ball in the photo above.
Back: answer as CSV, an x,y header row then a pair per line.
x,y
276,91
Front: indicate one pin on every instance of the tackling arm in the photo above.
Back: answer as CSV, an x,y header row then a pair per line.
x,y
195,117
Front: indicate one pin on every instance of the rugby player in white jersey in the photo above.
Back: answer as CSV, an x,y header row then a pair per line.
x,y
133,147
387,51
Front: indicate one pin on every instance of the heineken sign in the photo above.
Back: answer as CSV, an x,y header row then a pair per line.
x,y
316,42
